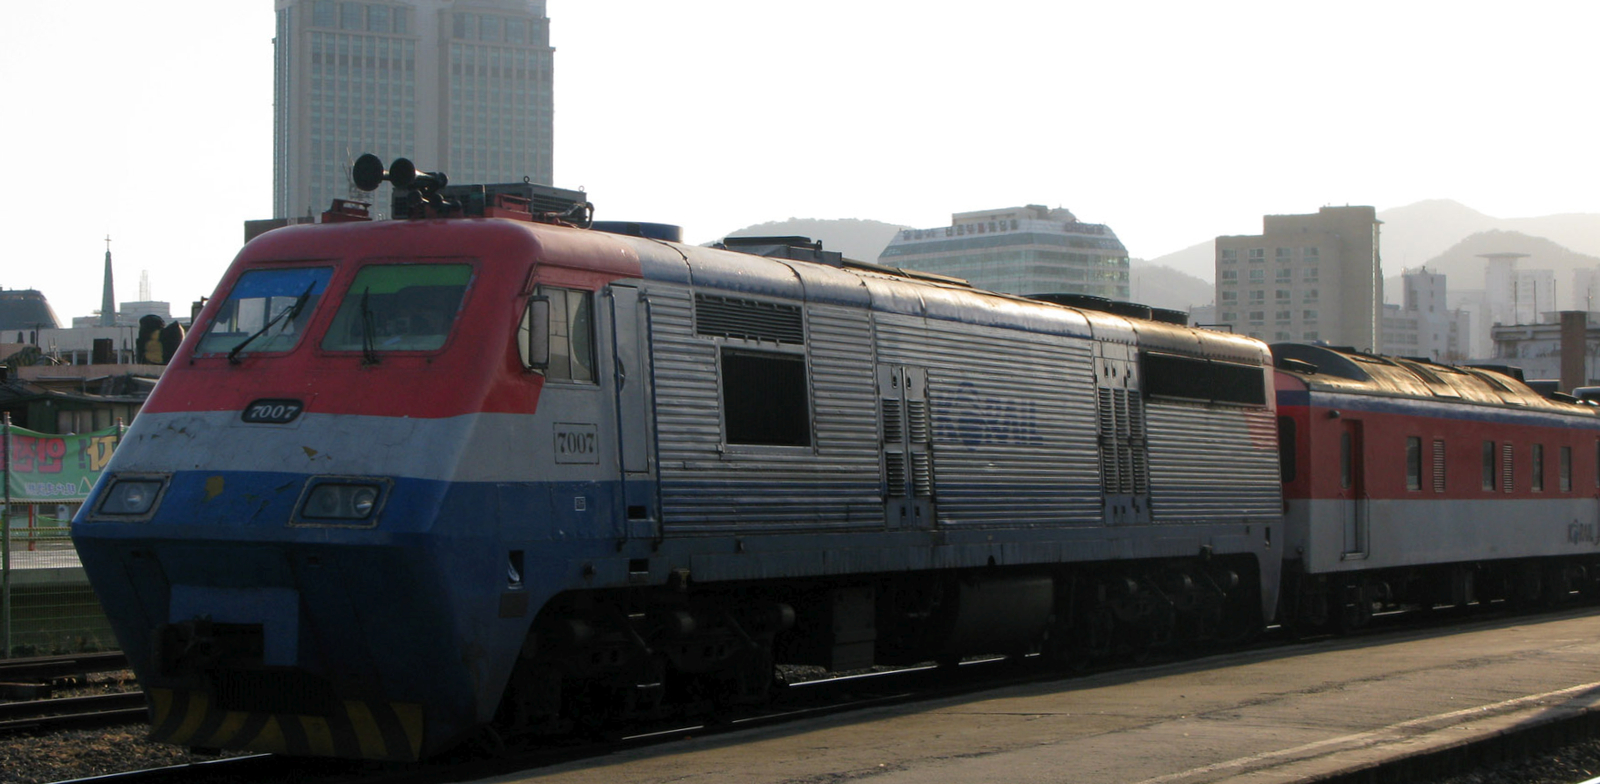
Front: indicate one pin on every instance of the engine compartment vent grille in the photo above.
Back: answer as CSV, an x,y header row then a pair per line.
x,y
730,317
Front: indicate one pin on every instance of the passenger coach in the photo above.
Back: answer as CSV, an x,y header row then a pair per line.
x,y
1413,483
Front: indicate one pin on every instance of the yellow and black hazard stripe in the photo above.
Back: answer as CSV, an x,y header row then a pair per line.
x,y
356,730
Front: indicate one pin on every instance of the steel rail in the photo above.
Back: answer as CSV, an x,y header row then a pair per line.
x,y
100,710
43,668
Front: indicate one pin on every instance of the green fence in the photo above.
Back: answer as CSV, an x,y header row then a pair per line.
x,y
47,605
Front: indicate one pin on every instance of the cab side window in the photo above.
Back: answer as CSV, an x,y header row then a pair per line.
x,y
570,331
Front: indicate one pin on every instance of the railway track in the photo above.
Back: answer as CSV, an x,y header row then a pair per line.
x,y
492,757
43,669
99,710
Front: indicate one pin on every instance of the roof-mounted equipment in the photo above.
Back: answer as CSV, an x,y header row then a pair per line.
x,y
368,173
1118,307
665,232
792,248
430,195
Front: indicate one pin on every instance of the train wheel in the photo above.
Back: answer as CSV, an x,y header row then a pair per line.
x,y
1559,582
1354,610
1464,587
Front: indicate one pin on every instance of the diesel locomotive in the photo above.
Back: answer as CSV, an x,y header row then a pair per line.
x,y
491,467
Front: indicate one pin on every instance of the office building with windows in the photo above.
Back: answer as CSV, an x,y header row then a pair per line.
x,y
1305,278
1018,250
1423,325
459,86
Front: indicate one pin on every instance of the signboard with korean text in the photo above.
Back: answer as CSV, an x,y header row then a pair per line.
x,y
46,468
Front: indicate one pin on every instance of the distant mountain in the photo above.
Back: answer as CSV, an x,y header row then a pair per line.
x,y
1578,231
861,240
1198,261
1464,270
1164,287
1414,234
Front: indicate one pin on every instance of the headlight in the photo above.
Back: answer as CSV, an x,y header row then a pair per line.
x,y
130,497
340,501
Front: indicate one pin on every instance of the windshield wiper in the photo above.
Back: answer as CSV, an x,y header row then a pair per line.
x,y
292,311
369,352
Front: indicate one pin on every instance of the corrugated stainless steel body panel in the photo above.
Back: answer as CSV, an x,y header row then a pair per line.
x,y
707,486
1013,418
1209,463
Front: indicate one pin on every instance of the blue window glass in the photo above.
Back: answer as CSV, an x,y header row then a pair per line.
x,y
272,305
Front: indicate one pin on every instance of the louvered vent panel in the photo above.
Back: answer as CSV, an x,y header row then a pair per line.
x,y
1110,473
1136,437
917,421
893,429
894,464
1438,466
1120,398
729,317
1508,479
921,474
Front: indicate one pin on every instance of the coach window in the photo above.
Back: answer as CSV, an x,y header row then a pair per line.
x,y
1565,467
1489,482
569,324
1538,468
1345,465
1413,463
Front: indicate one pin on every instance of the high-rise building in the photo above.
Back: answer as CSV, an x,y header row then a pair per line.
x,y
1423,325
459,86
1018,250
1305,278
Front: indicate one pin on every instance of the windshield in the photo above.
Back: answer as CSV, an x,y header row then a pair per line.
x,y
399,307
257,299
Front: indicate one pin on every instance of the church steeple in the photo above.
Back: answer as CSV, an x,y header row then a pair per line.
x,y
108,297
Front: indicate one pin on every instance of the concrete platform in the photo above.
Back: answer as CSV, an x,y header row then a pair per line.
x,y
53,565
1294,714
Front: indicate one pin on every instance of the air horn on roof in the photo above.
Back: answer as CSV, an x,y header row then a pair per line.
x,y
368,173
422,188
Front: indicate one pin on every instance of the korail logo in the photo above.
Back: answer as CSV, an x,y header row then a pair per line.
x,y
1583,533
986,421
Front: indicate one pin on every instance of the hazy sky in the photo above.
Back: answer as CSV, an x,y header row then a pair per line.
x,y
1172,122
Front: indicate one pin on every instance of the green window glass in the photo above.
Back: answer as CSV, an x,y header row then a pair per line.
x,y
399,307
